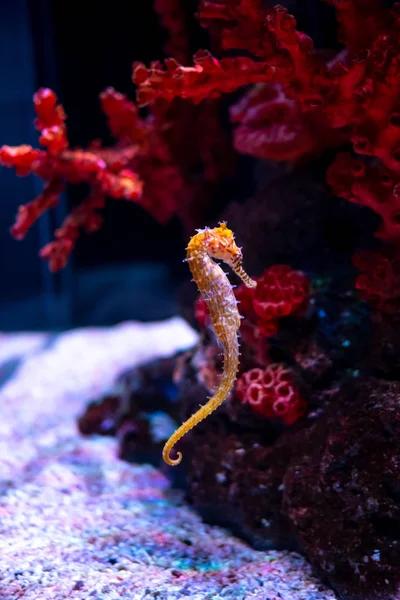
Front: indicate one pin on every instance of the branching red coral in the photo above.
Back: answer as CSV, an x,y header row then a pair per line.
x,y
84,217
272,393
303,104
57,165
319,104
299,105
371,186
240,24
207,78
152,164
281,54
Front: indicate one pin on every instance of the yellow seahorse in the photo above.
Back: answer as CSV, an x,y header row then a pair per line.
x,y
222,305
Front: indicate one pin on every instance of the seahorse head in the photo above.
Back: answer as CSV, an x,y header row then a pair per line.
x,y
221,245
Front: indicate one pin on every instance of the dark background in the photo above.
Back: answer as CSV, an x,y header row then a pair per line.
x,y
133,266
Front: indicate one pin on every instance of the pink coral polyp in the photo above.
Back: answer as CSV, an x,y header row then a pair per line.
x,y
271,393
280,292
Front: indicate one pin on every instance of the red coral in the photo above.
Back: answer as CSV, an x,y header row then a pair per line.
x,y
57,165
280,292
271,35
240,24
271,393
355,98
84,217
370,186
301,104
152,164
271,125
207,78
21,157
319,104
50,121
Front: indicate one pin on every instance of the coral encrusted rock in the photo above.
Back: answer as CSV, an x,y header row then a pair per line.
x,y
343,493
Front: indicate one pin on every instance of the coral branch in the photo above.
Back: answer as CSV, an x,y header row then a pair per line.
x,y
83,217
30,213
207,78
21,157
369,186
105,170
153,163
241,24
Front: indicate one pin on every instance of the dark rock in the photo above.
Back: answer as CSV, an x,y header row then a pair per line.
x,y
383,354
101,417
295,220
234,480
141,410
342,492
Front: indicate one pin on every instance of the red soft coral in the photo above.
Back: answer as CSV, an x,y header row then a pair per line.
x,y
240,24
271,393
301,105
271,125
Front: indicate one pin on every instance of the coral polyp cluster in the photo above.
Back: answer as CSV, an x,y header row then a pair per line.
x,y
271,393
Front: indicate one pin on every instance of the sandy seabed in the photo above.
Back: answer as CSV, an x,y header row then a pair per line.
x,y
76,522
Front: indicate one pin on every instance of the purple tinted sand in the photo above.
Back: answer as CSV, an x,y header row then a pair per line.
x,y
76,523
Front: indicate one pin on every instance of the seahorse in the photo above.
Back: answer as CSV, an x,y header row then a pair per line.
x,y
218,293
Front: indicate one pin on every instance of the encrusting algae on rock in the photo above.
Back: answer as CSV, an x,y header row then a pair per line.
x,y
217,291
